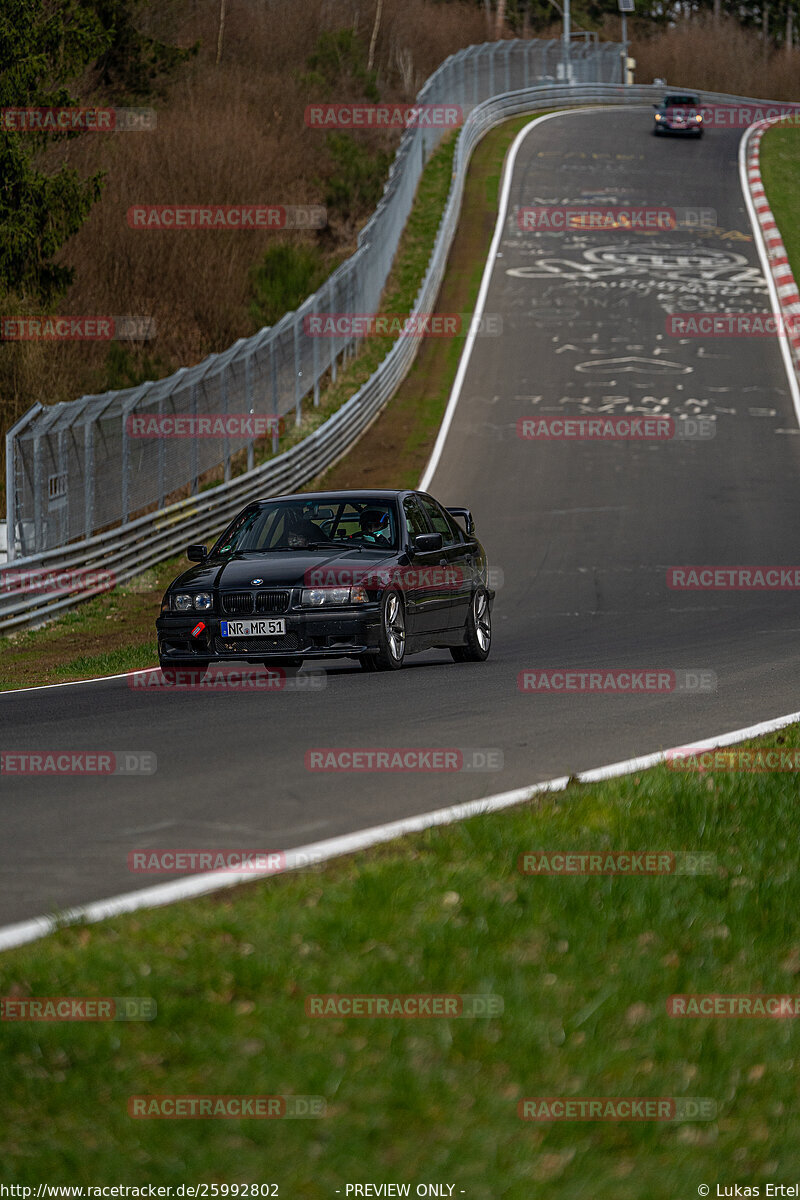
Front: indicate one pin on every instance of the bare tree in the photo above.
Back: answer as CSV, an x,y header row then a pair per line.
x,y
221,30
789,27
501,18
376,26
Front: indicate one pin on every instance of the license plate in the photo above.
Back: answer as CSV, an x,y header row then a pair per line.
x,y
271,627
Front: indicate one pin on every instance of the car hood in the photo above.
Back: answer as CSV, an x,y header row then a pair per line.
x,y
284,568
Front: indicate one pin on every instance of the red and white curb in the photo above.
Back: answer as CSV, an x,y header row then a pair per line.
x,y
778,262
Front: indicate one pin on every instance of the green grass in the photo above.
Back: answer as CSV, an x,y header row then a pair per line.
x,y
113,662
780,171
584,966
112,633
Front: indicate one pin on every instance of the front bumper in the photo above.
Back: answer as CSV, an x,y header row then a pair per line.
x,y
310,633
695,127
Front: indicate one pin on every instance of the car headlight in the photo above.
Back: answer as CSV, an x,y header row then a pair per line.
x,y
190,602
323,596
658,116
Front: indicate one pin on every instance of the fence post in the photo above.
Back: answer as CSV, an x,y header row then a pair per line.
x,y
298,375
11,495
63,475
37,495
334,364
124,459
12,505
226,444
315,353
248,400
162,456
273,370
88,479
195,452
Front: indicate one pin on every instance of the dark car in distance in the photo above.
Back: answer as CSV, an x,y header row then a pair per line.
x,y
371,575
679,113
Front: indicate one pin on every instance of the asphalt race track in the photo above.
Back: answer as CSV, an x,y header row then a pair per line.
x,y
583,533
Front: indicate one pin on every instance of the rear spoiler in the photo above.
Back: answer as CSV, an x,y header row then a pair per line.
x,y
465,517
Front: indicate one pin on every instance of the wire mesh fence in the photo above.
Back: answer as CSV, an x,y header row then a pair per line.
x,y
77,468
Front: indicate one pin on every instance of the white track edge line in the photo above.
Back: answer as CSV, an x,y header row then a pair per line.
x,y
41,687
198,885
488,270
766,265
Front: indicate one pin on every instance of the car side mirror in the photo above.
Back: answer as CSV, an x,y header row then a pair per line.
x,y
196,553
428,541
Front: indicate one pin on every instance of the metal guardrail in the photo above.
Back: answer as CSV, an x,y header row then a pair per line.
x,y
77,468
131,549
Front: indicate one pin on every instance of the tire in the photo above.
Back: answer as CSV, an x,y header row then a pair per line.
x,y
391,638
478,631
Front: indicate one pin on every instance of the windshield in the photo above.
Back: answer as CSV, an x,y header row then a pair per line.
x,y
681,102
312,524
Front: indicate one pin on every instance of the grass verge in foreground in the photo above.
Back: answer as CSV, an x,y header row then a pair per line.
x,y
780,172
584,966
116,632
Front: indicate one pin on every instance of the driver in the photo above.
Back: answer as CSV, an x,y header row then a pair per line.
x,y
374,524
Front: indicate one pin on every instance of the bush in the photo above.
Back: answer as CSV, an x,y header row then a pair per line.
x,y
286,275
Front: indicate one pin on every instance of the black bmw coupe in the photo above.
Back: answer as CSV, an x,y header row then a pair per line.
x,y
368,575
